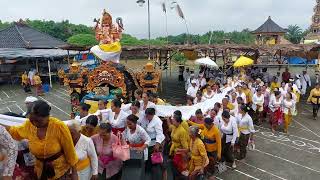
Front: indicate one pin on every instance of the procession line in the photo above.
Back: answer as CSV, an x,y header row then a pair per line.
x,y
262,170
9,109
6,94
54,106
243,173
19,107
291,135
285,144
307,129
60,97
287,160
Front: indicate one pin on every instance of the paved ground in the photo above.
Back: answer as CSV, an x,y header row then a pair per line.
x,y
277,156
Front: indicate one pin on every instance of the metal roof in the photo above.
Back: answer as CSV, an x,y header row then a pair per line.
x,y
20,35
23,53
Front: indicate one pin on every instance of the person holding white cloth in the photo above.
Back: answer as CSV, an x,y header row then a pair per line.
x,y
117,117
146,103
193,89
87,165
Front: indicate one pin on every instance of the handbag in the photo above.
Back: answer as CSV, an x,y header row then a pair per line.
x,y
156,158
121,151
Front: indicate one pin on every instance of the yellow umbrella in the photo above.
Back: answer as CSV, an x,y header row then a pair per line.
x,y
243,61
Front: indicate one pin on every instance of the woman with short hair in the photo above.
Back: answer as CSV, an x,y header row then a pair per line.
x,y
87,165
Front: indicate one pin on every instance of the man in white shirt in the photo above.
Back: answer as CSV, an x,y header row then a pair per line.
x,y
193,89
305,82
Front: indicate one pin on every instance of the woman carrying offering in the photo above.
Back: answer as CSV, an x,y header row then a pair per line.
x,y
108,166
246,129
50,142
87,165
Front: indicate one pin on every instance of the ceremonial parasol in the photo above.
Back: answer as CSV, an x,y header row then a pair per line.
x,y
243,61
207,62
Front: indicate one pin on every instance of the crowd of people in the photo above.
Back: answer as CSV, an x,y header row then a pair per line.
x,y
32,79
106,144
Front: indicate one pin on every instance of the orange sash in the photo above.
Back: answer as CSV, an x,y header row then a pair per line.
x,y
83,164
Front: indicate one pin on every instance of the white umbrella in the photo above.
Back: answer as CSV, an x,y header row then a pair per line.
x,y
207,62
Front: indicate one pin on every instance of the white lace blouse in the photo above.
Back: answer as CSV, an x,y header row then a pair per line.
x,y
10,147
85,149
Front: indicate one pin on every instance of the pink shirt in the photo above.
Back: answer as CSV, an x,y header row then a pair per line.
x,y
105,151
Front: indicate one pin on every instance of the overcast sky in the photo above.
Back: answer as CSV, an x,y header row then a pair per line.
x,y
201,15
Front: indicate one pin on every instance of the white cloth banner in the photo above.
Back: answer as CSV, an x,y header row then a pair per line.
x,y
161,110
188,111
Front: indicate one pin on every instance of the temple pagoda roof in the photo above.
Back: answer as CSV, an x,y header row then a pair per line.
x,y
269,27
20,35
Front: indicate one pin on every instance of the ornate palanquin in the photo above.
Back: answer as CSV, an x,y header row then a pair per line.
x,y
149,78
106,74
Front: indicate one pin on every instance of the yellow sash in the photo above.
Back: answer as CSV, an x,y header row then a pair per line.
x,y
242,128
83,164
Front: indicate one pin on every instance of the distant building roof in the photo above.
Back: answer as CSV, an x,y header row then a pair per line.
x,y
269,27
20,35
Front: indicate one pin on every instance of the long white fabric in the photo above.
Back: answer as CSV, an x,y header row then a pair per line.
x,y
161,110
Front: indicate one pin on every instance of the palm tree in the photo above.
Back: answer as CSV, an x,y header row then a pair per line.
x,y
294,34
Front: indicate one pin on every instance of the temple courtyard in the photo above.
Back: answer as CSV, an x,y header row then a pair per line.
x,y
277,156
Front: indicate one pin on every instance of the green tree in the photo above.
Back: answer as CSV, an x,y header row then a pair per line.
x,y
179,57
83,40
294,34
4,25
